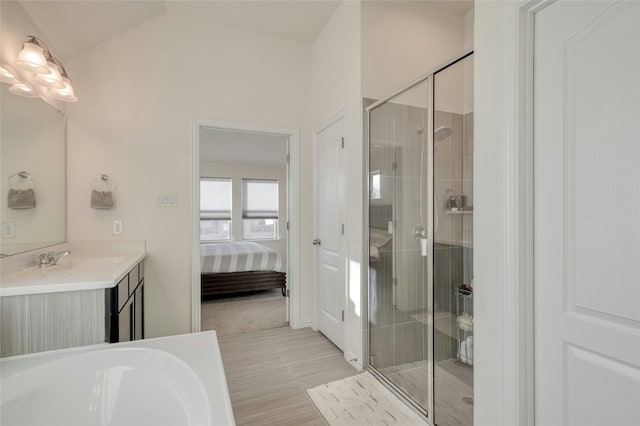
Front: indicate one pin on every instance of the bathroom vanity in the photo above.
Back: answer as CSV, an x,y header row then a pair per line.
x,y
93,295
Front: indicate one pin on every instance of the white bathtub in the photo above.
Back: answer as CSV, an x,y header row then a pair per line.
x,y
176,380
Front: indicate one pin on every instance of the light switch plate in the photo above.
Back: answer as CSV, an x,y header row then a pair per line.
x,y
169,199
8,229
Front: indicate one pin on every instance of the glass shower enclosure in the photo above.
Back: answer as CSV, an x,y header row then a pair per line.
x,y
420,227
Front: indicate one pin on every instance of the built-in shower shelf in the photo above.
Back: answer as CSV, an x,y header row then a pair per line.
x,y
467,211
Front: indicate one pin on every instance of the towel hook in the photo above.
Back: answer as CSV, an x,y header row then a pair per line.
x,y
24,179
22,174
102,183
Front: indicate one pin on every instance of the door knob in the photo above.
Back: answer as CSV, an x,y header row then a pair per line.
x,y
316,242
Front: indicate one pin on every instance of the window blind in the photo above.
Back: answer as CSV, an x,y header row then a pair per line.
x,y
259,199
215,198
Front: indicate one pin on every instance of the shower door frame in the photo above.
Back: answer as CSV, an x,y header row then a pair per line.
x,y
427,411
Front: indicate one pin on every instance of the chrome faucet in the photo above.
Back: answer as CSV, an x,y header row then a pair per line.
x,y
51,258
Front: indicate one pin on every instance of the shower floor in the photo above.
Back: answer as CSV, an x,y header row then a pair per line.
x,y
453,389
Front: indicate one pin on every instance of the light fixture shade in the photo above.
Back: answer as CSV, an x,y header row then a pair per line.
x,y
8,75
52,79
64,95
22,89
32,58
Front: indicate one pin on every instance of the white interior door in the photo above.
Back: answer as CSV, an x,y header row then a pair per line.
x,y
587,213
329,232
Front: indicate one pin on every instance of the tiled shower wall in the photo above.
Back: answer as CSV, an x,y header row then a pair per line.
x,y
453,250
399,332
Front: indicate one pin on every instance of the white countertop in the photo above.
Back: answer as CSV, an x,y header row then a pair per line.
x,y
85,268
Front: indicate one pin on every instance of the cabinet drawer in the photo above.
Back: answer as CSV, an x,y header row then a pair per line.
x,y
141,270
133,280
123,292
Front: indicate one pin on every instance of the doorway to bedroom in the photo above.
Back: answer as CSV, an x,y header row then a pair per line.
x,y
243,224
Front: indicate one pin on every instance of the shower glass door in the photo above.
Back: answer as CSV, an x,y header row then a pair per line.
x,y
421,243
399,266
453,245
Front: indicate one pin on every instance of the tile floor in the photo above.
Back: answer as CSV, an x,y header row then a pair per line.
x,y
453,389
268,372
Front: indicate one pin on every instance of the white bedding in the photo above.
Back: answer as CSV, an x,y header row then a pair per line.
x,y
238,256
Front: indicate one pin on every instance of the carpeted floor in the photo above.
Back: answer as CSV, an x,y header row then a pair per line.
x,y
242,313
361,400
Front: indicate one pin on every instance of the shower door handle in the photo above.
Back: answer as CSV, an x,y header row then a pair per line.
x,y
316,242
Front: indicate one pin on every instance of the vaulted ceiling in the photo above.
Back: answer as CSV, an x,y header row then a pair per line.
x,y
73,26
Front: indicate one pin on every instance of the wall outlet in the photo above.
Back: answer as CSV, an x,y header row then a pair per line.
x,y
117,227
167,200
8,229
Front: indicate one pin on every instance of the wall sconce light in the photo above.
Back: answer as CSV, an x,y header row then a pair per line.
x,y
8,75
41,71
31,57
22,89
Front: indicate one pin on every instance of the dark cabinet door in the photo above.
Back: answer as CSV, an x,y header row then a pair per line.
x,y
125,322
124,308
138,322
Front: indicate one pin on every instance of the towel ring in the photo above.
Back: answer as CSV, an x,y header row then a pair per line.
x,y
102,183
20,181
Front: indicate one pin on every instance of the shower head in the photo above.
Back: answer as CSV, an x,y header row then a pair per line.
x,y
441,133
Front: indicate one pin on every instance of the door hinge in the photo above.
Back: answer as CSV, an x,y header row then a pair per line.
x,y
342,142
343,229
343,315
394,166
287,226
288,293
288,158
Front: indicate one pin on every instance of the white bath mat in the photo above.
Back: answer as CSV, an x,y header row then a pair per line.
x,y
361,400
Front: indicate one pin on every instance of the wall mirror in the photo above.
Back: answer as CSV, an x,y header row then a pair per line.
x,y
32,140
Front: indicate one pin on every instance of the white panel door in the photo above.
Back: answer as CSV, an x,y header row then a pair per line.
x,y
329,238
587,213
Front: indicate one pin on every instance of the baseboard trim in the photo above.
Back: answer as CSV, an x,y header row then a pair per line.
x,y
353,360
303,324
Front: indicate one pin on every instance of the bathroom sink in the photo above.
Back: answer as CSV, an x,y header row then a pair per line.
x,y
80,266
111,386
82,262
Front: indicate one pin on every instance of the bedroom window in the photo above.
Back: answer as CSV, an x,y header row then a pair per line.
x,y
259,209
215,209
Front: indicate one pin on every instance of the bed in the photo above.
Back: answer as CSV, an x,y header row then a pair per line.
x,y
238,267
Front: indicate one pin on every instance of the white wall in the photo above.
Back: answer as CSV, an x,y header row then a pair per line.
x,y
403,40
238,171
139,94
489,399
468,68
469,18
335,85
